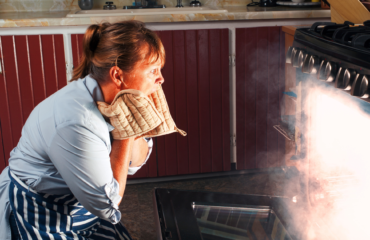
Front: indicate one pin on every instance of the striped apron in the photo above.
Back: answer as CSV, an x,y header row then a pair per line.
x,y
43,216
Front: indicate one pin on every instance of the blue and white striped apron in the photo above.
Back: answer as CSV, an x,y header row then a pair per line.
x,y
43,216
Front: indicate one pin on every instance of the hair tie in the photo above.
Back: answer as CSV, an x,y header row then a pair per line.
x,y
95,39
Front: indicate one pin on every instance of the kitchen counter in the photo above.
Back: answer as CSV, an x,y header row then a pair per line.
x,y
58,18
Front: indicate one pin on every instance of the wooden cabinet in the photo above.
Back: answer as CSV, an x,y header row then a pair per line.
x,y
33,68
196,85
3,161
259,87
197,89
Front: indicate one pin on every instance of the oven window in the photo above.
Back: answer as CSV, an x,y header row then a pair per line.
x,y
219,223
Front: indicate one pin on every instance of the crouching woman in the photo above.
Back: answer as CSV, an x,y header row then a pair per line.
x,y
67,176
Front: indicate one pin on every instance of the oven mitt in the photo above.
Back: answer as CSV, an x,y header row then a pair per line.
x,y
132,114
168,125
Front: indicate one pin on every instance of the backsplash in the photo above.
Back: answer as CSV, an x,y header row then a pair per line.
x,y
61,5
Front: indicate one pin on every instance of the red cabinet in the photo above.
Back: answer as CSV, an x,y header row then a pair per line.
x,y
197,89
33,68
196,84
259,87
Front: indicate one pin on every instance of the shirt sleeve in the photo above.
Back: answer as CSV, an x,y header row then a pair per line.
x,y
82,159
133,170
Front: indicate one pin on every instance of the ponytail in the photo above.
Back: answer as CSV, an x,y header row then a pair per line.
x,y
89,43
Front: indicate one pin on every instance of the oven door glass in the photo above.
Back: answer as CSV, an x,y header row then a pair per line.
x,y
219,222
201,215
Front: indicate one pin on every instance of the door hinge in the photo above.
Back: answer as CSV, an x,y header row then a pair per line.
x,y
232,60
233,141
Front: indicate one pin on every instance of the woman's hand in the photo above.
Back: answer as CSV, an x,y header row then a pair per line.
x,y
139,152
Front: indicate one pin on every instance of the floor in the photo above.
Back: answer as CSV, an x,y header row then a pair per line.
x,y
137,206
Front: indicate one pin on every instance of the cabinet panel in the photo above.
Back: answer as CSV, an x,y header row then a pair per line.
x,y
167,144
3,161
77,40
33,69
259,85
197,90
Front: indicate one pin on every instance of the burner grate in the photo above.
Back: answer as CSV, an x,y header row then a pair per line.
x,y
346,33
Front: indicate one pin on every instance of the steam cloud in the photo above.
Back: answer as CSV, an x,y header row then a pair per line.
x,y
338,162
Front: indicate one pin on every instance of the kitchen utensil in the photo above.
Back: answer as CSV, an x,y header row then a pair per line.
x,y
298,4
267,3
109,6
85,4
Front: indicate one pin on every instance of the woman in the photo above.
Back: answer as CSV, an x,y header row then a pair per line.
x,y
66,177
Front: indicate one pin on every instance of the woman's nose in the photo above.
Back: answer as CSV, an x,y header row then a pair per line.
x,y
160,79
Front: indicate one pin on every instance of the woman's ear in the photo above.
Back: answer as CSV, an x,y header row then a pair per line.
x,y
116,76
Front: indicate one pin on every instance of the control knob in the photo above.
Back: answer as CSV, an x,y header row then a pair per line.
x,y
327,71
301,56
345,78
298,58
310,64
321,71
330,71
288,57
360,86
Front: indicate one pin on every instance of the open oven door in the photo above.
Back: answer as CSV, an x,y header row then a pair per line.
x,y
197,215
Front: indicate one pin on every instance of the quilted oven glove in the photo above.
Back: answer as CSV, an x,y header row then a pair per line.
x,y
132,114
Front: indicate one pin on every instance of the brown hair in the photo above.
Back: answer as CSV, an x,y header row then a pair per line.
x,y
118,44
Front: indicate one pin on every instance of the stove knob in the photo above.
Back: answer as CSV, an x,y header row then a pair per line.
x,y
295,53
360,86
298,58
330,71
288,57
345,78
310,64
301,56
321,71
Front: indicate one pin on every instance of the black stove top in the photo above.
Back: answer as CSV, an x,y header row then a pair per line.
x,y
345,42
346,33
335,53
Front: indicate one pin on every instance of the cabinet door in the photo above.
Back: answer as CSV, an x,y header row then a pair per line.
x,y
3,162
259,88
33,69
196,84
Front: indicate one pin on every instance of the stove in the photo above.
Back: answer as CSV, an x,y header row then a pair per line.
x,y
329,130
337,53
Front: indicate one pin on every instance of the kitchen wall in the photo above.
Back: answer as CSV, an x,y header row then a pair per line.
x,y
60,5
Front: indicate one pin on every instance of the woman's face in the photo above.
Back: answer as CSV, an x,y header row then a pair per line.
x,y
145,77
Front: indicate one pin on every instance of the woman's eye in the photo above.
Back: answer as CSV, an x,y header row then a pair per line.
x,y
152,71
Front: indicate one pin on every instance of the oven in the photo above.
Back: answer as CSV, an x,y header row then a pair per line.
x,y
329,131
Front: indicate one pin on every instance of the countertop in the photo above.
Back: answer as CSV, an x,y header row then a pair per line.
x,y
58,18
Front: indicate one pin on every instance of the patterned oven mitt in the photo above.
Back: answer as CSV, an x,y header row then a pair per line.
x,y
132,114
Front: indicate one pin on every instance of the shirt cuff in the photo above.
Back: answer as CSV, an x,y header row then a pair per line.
x,y
133,170
112,192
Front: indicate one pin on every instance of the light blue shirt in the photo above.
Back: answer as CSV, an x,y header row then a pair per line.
x,y
64,148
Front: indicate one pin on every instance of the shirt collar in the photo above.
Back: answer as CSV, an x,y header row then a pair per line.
x,y
94,89
96,93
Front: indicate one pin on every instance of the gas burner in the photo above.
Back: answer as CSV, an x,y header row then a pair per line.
x,y
346,33
144,7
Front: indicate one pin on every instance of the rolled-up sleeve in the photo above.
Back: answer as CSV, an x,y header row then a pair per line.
x,y
82,159
133,170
